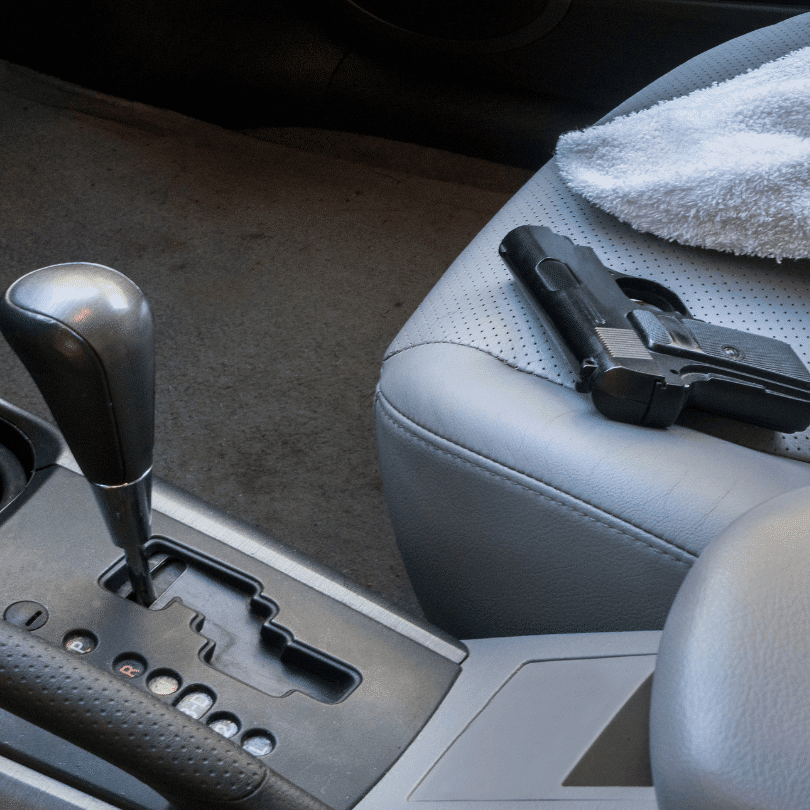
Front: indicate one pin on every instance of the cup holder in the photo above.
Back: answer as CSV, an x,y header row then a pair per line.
x,y
16,463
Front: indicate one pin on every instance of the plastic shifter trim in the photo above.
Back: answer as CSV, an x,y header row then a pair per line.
x,y
192,766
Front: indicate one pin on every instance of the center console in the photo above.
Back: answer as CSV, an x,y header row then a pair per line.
x,y
305,673
195,662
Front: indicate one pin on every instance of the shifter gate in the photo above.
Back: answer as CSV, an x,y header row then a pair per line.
x,y
236,620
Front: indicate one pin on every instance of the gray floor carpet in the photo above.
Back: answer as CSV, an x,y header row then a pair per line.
x,y
277,277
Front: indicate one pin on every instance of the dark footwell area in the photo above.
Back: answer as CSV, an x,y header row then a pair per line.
x,y
277,277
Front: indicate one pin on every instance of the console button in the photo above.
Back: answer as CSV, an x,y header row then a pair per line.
x,y
163,683
27,615
129,666
258,743
225,724
195,703
80,642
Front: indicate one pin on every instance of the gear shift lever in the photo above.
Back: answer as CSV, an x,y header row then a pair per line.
x,y
84,332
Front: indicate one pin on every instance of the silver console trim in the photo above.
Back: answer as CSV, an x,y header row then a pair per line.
x,y
492,662
50,793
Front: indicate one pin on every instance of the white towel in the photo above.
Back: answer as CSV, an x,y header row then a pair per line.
x,y
726,167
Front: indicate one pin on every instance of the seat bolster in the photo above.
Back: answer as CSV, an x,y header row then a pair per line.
x,y
582,514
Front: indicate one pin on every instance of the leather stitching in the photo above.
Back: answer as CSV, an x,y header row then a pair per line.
x,y
581,513
467,345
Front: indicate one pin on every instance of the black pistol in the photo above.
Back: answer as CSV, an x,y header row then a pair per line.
x,y
640,353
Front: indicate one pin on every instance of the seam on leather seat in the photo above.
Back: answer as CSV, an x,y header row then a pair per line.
x,y
404,428
511,364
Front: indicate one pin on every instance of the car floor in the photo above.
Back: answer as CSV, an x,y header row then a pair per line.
x,y
279,266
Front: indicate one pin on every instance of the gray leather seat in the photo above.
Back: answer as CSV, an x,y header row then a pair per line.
x,y
729,726
517,507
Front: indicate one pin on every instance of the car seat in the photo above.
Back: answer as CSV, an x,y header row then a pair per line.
x,y
517,507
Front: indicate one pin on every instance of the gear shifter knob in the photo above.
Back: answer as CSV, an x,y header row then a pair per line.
x,y
85,334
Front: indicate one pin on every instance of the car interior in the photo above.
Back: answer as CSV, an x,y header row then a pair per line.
x,y
304,500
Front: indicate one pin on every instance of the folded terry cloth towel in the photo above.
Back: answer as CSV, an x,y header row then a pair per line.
x,y
725,167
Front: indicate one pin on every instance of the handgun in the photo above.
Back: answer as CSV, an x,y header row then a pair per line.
x,y
640,353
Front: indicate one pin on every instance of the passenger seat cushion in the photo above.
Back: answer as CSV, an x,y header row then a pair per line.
x,y
517,507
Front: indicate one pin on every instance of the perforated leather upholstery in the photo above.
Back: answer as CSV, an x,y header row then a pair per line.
x,y
516,506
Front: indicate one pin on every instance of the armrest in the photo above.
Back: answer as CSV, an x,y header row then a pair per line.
x,y
730,716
